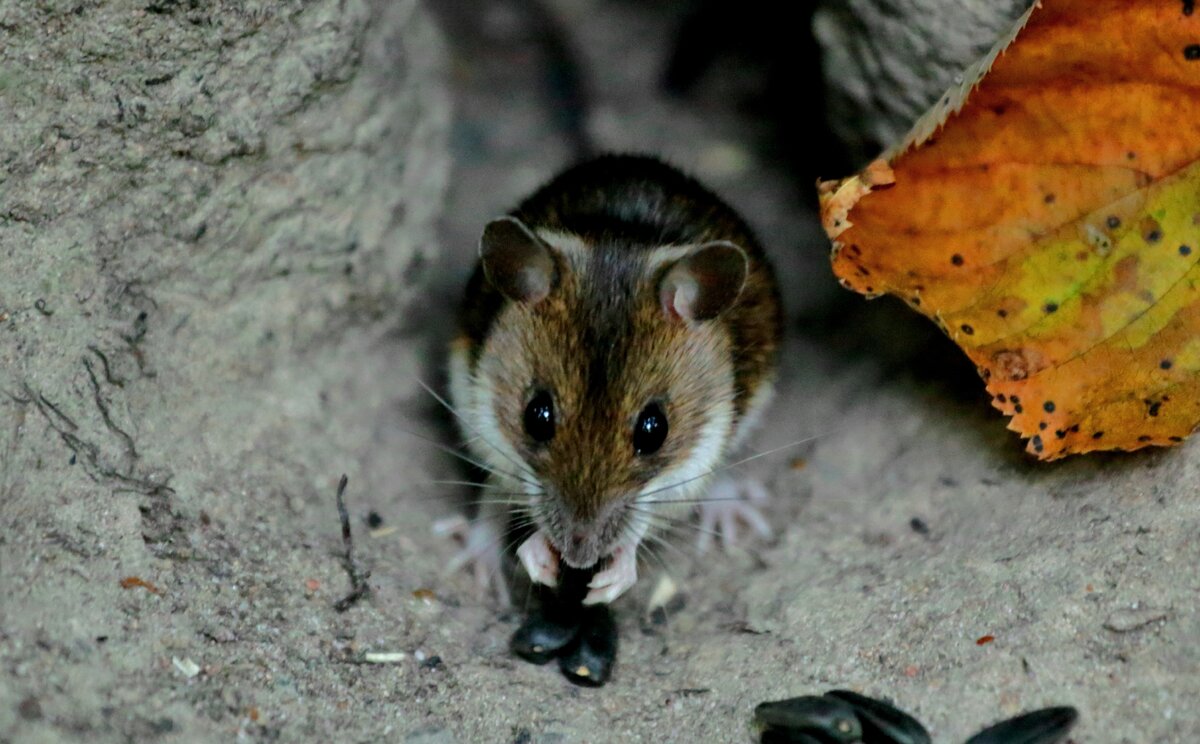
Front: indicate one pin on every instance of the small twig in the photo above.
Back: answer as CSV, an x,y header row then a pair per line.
x,y
359,587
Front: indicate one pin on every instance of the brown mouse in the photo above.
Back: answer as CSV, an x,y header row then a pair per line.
x,y
618,338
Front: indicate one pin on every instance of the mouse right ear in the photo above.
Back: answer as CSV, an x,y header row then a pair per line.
x,y
706,281
516,261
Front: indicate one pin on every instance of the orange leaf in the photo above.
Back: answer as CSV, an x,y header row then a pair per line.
x,y
1046,215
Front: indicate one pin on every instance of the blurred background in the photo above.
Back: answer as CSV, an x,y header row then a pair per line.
x,y
734,93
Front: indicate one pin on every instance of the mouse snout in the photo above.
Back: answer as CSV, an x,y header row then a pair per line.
x,y
580,549
582,543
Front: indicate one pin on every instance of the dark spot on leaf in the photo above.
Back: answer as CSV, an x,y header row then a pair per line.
x,y
1018,408
1042,425
1097,434
1164,364
1189,6
1113,222
1185,250
968,330
1016,399
1002,313
1048,198
1037,443
1144,438
1074,429
956,259
1050,307
1131,155
1153,409
1191,52
1001,397
1176,439
1048,406
999,110
1154,236
1060,433
916,301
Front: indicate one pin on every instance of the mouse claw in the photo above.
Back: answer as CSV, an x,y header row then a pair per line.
x,y
615,580
480,551
539,559
729,502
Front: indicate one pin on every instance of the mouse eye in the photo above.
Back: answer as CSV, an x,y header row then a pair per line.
x,y
539,417
650,431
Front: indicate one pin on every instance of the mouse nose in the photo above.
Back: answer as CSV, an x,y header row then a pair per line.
x,y
577,540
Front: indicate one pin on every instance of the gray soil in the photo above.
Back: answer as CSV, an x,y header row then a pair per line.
x,y
231,234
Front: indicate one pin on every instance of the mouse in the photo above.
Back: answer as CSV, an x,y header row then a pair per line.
x,y
617,340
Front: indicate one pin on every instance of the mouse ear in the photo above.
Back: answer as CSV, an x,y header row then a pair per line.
x,y
516,261
705,282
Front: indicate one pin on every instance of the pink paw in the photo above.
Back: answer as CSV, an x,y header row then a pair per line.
x,y
615,580
539,559
728,502
480,552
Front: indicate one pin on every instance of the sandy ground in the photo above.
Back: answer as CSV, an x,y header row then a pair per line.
x,y
909,528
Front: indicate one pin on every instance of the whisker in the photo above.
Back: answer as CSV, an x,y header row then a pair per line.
x,y
474,484
446,404
664,543
650,553
675,523
736,463
515,499
484,494
696,500
470,460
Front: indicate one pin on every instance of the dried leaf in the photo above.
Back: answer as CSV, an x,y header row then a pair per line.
x,y
1051,225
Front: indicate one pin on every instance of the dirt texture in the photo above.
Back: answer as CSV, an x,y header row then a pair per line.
x,y
213,217
231,241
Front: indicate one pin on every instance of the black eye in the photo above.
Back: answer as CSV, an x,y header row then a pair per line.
x,y
539,417
650,431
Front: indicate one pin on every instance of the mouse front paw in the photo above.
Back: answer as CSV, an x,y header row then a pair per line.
x,y
480,553
729,502
615,580
539,559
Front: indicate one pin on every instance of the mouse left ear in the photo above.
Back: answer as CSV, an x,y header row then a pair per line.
x,y
516,261
705,282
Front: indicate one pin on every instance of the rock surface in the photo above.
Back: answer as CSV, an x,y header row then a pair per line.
x,y
212,219
887,61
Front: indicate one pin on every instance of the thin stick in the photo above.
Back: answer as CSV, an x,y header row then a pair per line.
x,y
359,587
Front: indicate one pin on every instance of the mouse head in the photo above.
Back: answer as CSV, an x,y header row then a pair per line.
x,y
607,377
